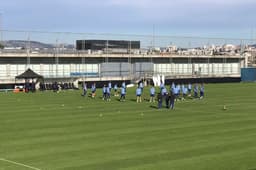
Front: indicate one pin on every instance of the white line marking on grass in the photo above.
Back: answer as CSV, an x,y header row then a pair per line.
x,y
20,164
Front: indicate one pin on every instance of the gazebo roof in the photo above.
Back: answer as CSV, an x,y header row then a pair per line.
x,y
28,74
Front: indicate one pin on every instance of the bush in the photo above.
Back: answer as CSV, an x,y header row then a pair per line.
x,y
1,46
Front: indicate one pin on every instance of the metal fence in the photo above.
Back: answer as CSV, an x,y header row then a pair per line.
x,y
64,40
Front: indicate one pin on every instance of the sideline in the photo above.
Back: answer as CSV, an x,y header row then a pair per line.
x,y
17,163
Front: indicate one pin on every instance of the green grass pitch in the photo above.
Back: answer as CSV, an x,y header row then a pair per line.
x,y
64,131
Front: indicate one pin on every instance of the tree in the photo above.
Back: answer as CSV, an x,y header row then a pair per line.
x,y
1,46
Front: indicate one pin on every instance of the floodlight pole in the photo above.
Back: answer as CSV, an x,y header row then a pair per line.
x,y
130,60
107,44
56,57
153,43
1,26
28,49
83,58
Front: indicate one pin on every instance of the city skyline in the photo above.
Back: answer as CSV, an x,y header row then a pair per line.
x,y
228,19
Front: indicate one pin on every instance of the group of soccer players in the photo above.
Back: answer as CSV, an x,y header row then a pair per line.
x,y
175,93
178,92
106,91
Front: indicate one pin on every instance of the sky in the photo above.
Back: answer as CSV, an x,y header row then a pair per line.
x,y
204,18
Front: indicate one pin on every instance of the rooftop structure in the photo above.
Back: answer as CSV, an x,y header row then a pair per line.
x,y
106,44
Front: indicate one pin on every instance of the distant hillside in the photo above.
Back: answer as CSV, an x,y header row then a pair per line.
x,y
33,44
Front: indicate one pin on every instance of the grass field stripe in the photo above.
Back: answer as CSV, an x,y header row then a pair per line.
x,y
20,164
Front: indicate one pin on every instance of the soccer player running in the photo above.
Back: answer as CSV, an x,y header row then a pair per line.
x,y
123,93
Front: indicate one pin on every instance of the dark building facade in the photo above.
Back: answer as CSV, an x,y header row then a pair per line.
x,y
104,44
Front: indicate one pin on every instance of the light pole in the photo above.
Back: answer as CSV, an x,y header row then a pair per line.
x,y
1,27
28,48
153,38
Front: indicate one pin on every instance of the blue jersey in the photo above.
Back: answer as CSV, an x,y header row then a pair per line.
x,y
196,88
115,87
173,86
161,85
108,90
178,86
104,90
141,85
182,87
123,85
152,91
176,90
85,87
189,86
164,91
122,90
138,91
184,90
93,88
202,89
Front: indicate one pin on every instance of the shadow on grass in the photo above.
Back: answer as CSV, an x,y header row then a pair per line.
x,y
154,107
117,99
